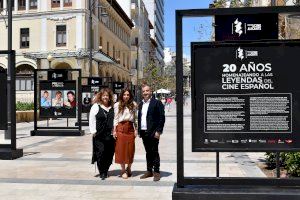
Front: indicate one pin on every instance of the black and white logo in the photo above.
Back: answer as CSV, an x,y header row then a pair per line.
x,y
57,84
242,53
240,28
95,81
55,75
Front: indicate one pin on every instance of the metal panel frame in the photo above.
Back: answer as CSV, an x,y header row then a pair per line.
x,y
52,129
86,77
181,180
11,114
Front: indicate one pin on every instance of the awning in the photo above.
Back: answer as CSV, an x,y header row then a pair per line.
x,y
101,57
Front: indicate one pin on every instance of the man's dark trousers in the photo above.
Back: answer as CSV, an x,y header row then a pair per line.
x,y
151,148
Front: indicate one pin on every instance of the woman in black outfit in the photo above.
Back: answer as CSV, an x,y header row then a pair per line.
x,y
101,125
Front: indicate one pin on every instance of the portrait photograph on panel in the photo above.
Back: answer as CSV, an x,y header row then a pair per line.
x,y
86,99
45,98
69,98
57,98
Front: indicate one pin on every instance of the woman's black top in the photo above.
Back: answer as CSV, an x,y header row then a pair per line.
x,y
104,123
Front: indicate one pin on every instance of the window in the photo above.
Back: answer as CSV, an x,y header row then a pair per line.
x,y
67,2
55,3
33,4
107,48
1,5
22,4
101,41
61,36
24,38
24,83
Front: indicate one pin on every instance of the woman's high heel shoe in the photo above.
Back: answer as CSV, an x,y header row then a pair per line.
x,y
124,175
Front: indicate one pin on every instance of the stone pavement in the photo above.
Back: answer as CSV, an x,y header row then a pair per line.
x,y
59,167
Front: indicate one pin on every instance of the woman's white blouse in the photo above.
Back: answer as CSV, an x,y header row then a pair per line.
x,y
125,116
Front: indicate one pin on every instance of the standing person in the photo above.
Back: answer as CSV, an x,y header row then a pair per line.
x,y
125,131
101,126
169,101
151,120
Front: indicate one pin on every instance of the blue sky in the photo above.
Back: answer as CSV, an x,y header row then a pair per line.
x,y
192,30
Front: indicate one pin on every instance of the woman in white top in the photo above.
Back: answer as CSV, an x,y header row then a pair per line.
x,y
125,131
101,126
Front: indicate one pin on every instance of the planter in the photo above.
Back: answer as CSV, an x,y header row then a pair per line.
x,y
25,116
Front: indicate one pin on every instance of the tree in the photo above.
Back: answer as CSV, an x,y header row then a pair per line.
x,y
236,3
219,3
248,3
156,80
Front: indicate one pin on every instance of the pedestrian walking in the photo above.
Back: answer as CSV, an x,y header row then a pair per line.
x,y
125,131
151,120
169,101
101,126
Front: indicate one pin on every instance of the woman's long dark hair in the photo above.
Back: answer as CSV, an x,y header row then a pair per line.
x,y
130,104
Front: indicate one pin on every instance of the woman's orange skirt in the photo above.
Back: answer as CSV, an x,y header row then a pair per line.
x,y
125,146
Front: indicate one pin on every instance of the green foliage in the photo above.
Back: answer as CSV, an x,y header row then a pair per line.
x,y
236,3
21,106
219,3
271,160
153,76
293,164
248,3
290,161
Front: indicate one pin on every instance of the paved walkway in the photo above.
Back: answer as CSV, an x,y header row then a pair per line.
x,y
59,167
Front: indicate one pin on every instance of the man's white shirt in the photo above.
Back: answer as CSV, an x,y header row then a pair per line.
x,y
144,114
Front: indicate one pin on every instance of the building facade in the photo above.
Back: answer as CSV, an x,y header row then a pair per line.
x,y
155,9
140,37
60,29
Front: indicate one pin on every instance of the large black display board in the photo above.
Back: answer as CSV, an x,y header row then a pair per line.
x,y
58,99
246,27
3,99
246,96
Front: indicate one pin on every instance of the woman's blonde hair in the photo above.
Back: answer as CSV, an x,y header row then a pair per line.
x,y
98,98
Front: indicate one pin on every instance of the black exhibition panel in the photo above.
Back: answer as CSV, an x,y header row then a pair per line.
x,y
8,149
51,106
259,26
57,93
90,87
3,99
246,96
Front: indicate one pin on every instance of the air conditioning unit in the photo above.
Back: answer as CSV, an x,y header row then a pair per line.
x,y
100,48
